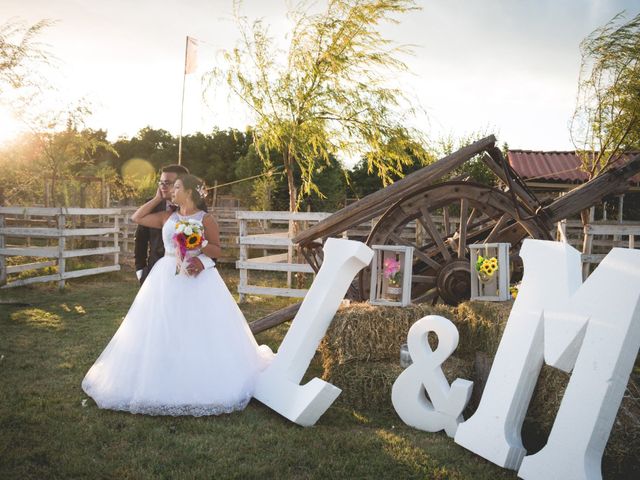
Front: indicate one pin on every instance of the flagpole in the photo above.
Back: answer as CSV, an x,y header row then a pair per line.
x,y
184,78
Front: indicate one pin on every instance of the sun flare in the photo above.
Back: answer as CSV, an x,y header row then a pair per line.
x,y
10,128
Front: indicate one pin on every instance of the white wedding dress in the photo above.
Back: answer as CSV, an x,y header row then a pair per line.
x,y
184,347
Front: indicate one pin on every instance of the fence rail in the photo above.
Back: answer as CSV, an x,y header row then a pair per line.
x,y
596,239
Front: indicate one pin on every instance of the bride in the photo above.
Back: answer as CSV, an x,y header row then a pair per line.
x,y
184,347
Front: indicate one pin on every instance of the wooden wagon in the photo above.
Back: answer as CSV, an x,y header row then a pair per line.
x,y
453,214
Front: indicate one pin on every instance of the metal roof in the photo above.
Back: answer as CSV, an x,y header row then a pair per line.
x,y
553,166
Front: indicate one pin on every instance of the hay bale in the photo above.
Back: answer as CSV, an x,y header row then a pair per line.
x,y
480,326
367,386
363,332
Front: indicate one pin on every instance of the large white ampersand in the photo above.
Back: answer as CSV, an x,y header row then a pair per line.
x,y
444,411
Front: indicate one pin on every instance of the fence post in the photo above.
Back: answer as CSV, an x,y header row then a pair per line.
x,y
61,246
3,259
116,226
242,231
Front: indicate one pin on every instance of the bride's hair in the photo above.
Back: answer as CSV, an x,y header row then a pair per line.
x,y
198,189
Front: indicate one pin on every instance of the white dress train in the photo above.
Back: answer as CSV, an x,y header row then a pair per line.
x,y
184,347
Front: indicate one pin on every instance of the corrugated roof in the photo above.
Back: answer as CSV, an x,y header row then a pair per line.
x,y
553,166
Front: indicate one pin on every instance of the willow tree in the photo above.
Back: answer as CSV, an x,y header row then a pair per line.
x,y
22,55
330,92
606,121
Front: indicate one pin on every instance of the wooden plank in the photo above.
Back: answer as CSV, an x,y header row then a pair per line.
x,y
243,255
612,229
55,211
116,247
91,211
432,230
462,239
275,318
275,267
502,221
30,266
377,202
589,193
36,232
282,216
423,279
90,271
61,246
81,232
3,260
493,160
272,239
29,251
278,257
416,251
84,252
279,292
26,211
29,281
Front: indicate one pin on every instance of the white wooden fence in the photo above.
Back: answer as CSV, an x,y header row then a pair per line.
x,y
17,234
595,240
44,236
259,231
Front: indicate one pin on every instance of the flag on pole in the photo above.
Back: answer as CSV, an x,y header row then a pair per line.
x,y
191,56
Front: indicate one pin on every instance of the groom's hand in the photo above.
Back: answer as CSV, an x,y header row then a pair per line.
x,y
194,267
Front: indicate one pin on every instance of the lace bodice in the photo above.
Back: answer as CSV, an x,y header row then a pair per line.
x,y
169,228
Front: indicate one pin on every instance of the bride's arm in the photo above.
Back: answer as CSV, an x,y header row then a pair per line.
x,y
144,215
210,252
212,235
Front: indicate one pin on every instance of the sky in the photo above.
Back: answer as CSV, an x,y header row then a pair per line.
x,y
508,67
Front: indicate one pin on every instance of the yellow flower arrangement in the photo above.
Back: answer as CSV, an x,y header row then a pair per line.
x,y
486,267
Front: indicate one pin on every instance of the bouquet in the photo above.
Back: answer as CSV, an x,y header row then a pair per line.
x,y
189,240
486,267
392,271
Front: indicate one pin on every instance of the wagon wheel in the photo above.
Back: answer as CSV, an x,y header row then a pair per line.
x,y
452,216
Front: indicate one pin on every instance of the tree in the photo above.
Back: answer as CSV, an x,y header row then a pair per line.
x,y
332,95
255,184
66,147
606,120
21,55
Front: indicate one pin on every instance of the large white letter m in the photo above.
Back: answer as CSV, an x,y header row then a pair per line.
x,y
592,329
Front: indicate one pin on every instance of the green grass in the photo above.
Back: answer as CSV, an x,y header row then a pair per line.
x,y
50,429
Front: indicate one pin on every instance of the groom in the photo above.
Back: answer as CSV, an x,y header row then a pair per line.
x,y
148,241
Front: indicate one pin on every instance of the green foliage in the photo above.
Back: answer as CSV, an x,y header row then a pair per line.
x,y
474,169
332,95
21,55
156,146
607,116
254,183
363,181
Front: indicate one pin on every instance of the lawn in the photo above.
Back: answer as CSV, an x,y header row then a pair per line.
x,y
50,429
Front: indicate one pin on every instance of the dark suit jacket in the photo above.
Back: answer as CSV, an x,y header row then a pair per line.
x,y
148,246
